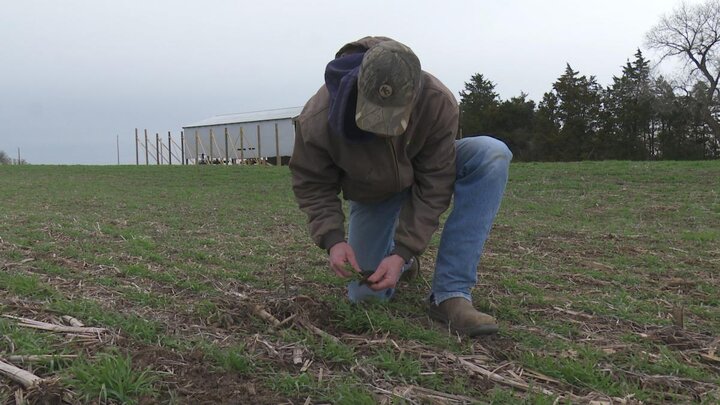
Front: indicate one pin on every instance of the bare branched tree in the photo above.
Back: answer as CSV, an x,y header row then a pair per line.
x,y
692,33
4,158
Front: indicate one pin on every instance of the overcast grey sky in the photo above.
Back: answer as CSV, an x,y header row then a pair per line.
x,y
74,74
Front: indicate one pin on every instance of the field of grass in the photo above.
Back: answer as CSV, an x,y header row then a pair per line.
x,y
605,278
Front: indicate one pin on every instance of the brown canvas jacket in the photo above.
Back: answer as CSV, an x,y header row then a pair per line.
x,y
422,159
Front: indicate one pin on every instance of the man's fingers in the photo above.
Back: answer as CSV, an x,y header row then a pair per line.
x,y
382,284
350,257
384,277
342,273
377,276
340,255
338,266
354,263
338,269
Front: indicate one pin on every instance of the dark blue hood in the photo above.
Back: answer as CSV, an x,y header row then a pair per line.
x,y
341,81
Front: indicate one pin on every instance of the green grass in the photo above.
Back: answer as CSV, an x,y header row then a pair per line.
x,y
111,377
373,317
348,391
397,365
156,253
235,358
350,394
292,385
334,352
25,285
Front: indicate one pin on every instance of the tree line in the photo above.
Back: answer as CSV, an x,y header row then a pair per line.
x,y
5,159
640,116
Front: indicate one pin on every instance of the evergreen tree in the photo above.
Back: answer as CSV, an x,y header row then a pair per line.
x,y
629,126
478,105
638,117
548,146
571,116
483,113
513,122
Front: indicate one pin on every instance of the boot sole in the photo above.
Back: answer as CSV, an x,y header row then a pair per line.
x,y
480,330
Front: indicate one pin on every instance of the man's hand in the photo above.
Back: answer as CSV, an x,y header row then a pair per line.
x,y
340,254
387,273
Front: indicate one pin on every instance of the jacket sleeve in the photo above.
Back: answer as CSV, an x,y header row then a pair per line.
x,y
316,185
431,193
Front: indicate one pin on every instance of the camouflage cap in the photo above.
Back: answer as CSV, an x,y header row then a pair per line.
x,y
388,85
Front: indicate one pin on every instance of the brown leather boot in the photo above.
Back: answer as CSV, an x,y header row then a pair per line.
x,y
462,317
412,272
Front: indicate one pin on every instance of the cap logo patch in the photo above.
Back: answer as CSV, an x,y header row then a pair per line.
x,y
385,91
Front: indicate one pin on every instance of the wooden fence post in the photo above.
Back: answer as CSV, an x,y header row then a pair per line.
x,y
157,148
212,144
137,149
182,148
197,147
259,149
242,146
169,150
277,146
147,159
227,151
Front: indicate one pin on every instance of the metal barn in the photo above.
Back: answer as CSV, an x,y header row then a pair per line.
x,y
252,137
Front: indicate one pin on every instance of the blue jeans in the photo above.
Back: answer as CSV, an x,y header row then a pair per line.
x,y
482,172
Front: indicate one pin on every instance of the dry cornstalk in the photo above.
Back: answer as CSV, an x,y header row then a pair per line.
x,y
24,378
259,311
393,394
270,348
285,321
540,376
72,321
51,327
573,313
438,396
496,377
8,265
264,315
35,358
312,328
306,366
606,400
710,358
297,356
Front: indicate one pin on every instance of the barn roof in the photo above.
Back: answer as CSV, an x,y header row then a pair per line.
x,y
254,116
